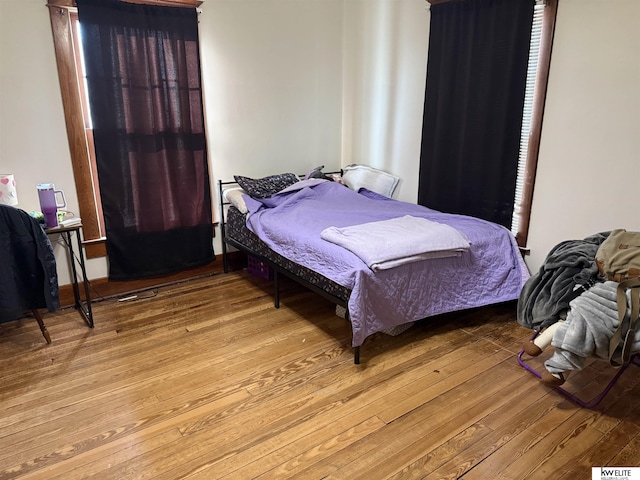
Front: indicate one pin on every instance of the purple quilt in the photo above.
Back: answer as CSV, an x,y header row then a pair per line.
x,y
290,223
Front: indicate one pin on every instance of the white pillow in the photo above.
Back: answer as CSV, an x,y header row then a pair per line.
x,y
359,176
235,197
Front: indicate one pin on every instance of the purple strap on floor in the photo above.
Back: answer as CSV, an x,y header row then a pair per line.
x,y
594,401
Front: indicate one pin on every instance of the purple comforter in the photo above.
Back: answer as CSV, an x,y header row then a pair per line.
x,y
290,223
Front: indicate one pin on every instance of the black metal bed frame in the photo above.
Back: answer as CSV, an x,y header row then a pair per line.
x,y
276,268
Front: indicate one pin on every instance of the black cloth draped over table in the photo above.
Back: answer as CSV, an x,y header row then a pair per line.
x,y
28,275
476,78
143,76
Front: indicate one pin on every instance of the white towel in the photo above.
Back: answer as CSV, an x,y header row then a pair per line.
x,y
388,243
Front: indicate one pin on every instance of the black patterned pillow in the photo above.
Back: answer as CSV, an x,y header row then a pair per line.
x,y
267,186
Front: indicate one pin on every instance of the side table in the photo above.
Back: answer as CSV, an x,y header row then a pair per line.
x,y
84,307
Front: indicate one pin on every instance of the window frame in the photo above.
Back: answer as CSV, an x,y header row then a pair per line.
x,y
60,16
80,138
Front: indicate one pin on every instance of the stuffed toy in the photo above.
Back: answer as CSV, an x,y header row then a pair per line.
x,y
537,345
586,332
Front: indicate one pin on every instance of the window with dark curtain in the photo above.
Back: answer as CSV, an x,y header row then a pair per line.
x,y
143,76
476,78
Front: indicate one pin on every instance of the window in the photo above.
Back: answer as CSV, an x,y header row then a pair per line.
x,y
86,119
537,75
64,26
536,86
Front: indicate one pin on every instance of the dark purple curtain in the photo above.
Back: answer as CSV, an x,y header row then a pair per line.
x,y
476,78
145,94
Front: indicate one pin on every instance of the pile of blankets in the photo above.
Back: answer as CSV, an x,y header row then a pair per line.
x,y
569,269
568,288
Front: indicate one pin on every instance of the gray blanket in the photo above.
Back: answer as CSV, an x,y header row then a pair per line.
x,y
590,323
568,270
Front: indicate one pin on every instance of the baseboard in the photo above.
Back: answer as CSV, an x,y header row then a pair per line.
x,y
101,288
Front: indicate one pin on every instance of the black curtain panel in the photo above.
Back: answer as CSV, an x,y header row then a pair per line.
x,y
476,75
144,87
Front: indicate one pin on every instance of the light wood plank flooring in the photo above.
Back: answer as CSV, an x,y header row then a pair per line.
x,y
206,379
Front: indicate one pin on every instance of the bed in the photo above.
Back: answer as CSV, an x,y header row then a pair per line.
x,y
284,226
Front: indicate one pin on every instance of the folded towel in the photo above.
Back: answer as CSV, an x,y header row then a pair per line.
x,y
388,243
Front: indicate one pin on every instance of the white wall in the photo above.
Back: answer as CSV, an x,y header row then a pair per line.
x,y
385,62
272,79
292,84
272,73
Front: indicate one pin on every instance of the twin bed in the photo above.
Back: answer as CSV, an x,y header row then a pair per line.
x,y
309,230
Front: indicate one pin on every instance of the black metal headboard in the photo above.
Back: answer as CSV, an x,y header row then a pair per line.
x,y
223,219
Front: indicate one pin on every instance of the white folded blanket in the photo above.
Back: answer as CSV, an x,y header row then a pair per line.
x,y
388,243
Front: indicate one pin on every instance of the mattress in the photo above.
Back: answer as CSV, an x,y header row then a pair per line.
x,y
236,230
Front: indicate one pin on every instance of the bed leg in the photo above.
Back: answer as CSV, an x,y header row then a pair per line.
x,y
225,261
356,355
276,283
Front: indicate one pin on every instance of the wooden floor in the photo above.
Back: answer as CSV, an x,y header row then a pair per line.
x,y
206,380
